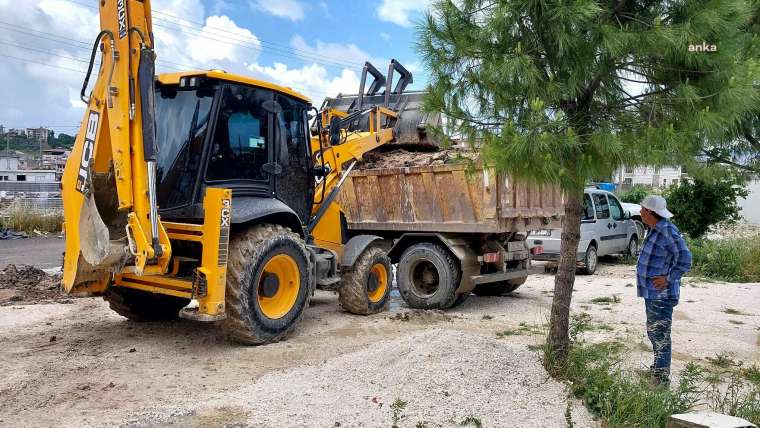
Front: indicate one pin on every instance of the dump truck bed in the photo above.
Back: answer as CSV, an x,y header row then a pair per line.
x,y
447,198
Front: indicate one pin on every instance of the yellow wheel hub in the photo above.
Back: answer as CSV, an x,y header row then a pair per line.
x,y
278,286
378,282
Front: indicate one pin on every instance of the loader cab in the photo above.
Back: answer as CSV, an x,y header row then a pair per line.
x,y
222,130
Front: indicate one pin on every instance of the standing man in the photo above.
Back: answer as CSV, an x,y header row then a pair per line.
x,y
663,260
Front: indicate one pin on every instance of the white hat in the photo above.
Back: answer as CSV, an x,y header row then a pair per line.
x,y
657,204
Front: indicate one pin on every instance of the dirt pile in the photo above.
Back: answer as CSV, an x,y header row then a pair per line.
x,y
400,158
28,285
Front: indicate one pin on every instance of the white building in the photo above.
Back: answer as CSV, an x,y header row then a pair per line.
x,y
649,176
9,162
33,175
750,207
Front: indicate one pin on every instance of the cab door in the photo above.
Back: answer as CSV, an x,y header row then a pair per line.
x,y
294,182
619,237
603,225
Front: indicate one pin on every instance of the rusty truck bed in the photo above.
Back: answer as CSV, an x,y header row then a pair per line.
x,y
446,198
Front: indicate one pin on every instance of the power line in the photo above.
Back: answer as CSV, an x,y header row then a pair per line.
x,y
231,38
86,61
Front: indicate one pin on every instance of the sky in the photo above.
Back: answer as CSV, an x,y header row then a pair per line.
x,y
315,47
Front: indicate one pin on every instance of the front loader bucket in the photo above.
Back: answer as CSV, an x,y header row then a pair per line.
x,y
411,128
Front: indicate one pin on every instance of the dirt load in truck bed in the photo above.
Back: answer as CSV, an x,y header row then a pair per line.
x,y
399,158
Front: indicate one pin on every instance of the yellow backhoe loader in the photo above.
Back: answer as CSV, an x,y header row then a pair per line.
x,y
208,186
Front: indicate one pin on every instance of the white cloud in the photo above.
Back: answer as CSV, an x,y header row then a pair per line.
x,y
290,9
385,36
213,42
312,80
400,12
44,89
348,54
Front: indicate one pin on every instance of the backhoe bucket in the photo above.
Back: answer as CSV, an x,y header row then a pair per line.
x,y
413,125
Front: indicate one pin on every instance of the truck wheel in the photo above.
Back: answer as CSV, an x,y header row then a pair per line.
x,y
499,288
366,288
143,306
590,260
269,284
428,277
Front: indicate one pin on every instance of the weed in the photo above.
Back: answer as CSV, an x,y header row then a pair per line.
x,y
398,407
508,332
722,360
28,220
606,300
737,322
629,285
752,374
471,420
731,260
732,311
737,398
487,317
421,424
523,328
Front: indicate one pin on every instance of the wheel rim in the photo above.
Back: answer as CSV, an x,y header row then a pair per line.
x,y
591,259
424,278
377,282
278,286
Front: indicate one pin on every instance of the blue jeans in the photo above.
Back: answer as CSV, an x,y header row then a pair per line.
x,y
659,321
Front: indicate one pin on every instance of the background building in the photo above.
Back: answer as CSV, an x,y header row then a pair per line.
x,y
628,177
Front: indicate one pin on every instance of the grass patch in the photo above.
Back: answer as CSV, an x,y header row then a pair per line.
x,y
26,220
722,361
597,375
729,260
487,317
737,322
471,421
606,300
523,328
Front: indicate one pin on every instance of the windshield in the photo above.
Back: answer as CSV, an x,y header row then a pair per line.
x,y
181,122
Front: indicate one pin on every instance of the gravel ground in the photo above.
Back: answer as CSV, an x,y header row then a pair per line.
x,y
444,377
79,364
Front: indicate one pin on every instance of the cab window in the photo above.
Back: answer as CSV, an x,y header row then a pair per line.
x,y
602,207
615,209
239,150
588,208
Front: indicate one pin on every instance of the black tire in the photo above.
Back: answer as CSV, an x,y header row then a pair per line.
x,y
590,260
633,246
366,288
499,288
461,298
428,277
143,306
249,253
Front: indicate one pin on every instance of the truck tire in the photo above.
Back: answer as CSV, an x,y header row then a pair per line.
x,y
428,277
143,306
269,284
366,288
590,260
499,288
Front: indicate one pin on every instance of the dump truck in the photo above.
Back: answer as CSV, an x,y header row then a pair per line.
x,y
452,229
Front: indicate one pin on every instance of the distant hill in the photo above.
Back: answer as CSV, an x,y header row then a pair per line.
x,y
30,146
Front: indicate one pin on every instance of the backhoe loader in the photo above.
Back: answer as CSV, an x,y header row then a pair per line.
x,y
207,186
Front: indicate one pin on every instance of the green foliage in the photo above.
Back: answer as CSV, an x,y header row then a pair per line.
x,y
731,259
697,206
635,194
397,407
547,85
27,145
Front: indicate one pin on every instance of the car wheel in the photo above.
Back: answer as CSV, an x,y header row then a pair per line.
x,y
633,247
590,260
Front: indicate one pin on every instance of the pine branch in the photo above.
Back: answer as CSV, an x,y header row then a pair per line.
x,y
714,156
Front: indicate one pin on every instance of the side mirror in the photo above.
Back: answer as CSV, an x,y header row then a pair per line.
x,y
627,215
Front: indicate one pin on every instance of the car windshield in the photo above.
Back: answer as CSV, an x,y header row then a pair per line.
x,y
181,122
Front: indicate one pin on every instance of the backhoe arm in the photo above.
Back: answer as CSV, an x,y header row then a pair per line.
x,y
109,183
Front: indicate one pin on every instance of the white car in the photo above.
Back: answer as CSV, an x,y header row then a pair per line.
x,y
606,228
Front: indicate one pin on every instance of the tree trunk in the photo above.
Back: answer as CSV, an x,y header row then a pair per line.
x,y
559,322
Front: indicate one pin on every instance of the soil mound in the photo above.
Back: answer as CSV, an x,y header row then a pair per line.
x,y
28,285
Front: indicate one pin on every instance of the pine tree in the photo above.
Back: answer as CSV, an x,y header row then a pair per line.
x,y
561,92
